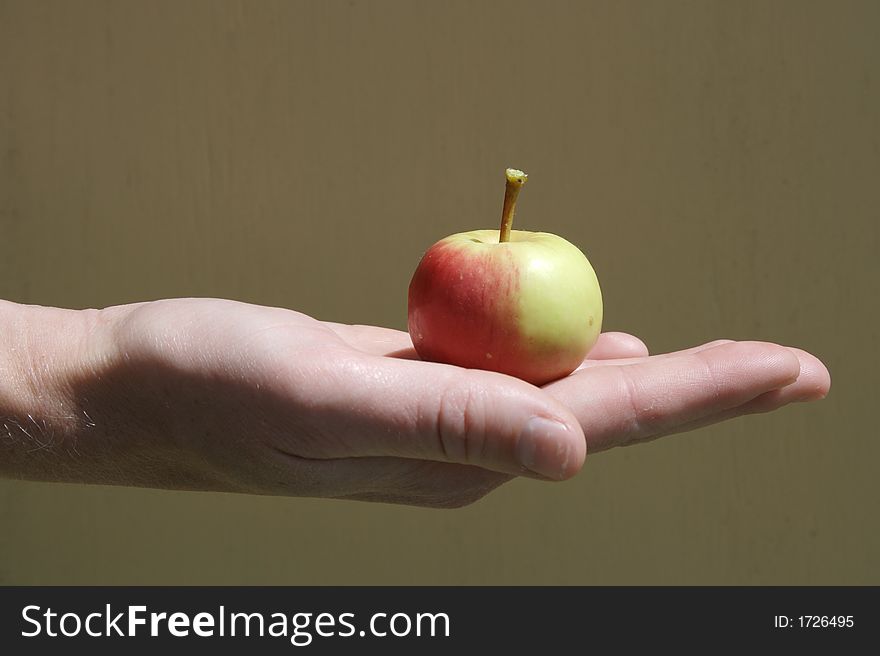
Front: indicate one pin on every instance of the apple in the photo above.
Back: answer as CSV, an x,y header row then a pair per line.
x,y
527,304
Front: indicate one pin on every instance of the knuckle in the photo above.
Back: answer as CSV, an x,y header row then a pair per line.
x,y
714,387
461,419
644,411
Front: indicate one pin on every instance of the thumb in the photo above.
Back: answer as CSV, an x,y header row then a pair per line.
x,y
379,406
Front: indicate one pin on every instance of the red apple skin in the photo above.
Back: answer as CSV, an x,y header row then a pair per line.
x,y
464,306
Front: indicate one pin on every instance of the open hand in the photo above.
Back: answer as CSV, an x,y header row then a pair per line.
x,y
222,395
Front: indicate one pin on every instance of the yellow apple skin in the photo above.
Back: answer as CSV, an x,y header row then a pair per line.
x,y
530,307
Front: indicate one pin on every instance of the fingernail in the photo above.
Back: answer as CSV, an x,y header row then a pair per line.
x,y
543,447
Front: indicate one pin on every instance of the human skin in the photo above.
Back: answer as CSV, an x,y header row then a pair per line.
x,y
208,394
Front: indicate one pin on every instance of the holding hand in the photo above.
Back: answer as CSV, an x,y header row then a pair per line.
x,y
218,395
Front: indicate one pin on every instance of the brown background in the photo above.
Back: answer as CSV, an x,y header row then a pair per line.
x,y
718,162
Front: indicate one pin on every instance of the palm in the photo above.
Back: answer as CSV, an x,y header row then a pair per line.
x,y
291,405
621,395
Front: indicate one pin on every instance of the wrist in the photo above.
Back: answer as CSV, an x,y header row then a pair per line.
x,y
65,403
104,397
47,351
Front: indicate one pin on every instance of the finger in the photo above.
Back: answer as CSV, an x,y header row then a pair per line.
x,y
614,345
813,384
377,406
589,362
622,404
389,480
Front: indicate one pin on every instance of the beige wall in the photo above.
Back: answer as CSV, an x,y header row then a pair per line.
x,y
718,162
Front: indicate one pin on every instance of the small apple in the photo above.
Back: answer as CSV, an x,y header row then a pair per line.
x,y
527,304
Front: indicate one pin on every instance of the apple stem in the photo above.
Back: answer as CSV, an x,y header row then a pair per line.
x,y
515,180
